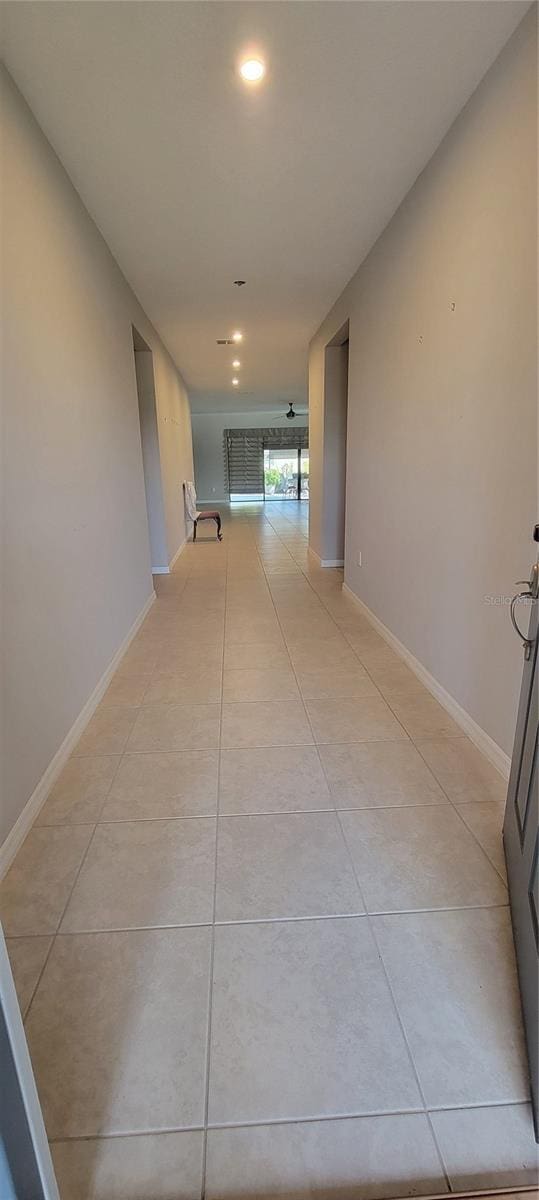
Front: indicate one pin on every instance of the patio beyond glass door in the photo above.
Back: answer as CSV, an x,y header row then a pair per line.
x,y
304,474
286,474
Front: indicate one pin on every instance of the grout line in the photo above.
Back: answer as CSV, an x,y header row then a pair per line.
x,y
456,810
390,702
261,920
81,864
376,943
322,1118
212,943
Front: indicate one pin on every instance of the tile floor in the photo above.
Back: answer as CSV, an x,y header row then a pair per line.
x,y
260,930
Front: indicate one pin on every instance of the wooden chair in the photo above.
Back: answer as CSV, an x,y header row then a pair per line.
x,y
209,514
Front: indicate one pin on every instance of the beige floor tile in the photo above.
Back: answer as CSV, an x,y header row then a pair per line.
x,y
188,645
190,686
270,723
245,610
163,1166
424,857
397,680
212,604
488,1147
257,655
289,604
254,629
27,958
464,773
347,619
284,865
182,784
360,720
421,715
369,1158
139,659
282,779
334,683
245,593
176,727
307,655
259,683
176,657
142,874
181,629
120,1019
36,888
318,626
292,1028
78,795
106,732
372,650
125,690
485,819
454,980
379,774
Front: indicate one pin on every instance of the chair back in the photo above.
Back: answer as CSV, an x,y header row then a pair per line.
x,y
190,499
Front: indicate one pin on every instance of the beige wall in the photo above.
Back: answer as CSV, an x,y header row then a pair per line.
x,y
76,563
442,442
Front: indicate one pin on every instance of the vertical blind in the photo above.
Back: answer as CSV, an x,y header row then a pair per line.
x,y
244,454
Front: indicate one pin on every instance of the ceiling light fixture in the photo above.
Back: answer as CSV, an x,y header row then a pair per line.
x,y
235,382
237,336
252,70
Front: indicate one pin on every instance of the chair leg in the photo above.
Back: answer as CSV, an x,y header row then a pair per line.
x,y
218,523
194,531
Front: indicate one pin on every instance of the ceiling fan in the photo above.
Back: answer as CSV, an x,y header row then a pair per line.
x,y
292,414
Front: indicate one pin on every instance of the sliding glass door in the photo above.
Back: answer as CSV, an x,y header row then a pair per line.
x,y
267,463
286,474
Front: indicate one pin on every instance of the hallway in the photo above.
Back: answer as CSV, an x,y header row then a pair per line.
x,y
261,924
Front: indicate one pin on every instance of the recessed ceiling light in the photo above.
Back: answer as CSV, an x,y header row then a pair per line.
x,y
252,70
237,336
235,382
236,364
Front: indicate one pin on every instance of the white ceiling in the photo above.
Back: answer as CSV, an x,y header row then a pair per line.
x,y
196,181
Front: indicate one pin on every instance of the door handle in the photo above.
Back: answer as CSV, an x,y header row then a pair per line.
x,y
527,644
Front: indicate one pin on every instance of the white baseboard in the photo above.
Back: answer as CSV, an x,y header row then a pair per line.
x,y
32,807
326,562
476,734
173,561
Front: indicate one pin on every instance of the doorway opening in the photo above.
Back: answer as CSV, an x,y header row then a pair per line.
x,y
151,459
335,439
286,474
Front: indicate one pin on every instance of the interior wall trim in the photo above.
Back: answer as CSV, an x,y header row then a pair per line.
x,y
176,556
326,562
33,806
173,561
476,734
